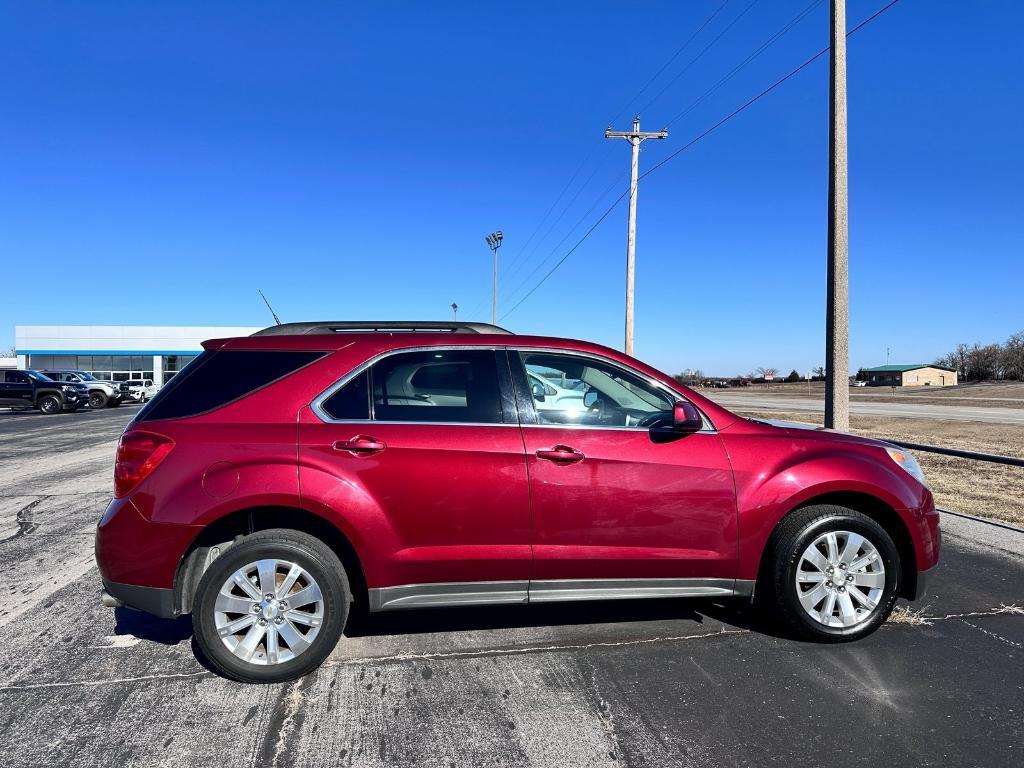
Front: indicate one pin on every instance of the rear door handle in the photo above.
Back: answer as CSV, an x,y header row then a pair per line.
x,y
360,445
561,454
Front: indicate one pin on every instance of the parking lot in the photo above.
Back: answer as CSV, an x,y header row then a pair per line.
x,y
627,683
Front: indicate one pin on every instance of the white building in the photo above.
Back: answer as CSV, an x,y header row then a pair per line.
x,y
118,352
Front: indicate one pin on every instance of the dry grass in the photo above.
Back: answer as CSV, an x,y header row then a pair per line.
x,y
1002,395
995,491
904,614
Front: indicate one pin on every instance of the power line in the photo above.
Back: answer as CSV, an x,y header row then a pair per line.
x,y
697,58
764,93
523,255
746,105
757,52
567,235
521,263
561,194
671,58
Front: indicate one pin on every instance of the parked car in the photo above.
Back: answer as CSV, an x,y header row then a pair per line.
x,y
860,383
549,396
101,393
32,389
282,476
140,390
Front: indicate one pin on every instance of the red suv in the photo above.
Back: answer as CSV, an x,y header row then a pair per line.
x,y
281,476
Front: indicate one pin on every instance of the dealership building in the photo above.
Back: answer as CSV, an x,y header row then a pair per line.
x,y
117,352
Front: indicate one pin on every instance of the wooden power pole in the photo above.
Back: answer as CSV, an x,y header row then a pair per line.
x,y
634,137
837,311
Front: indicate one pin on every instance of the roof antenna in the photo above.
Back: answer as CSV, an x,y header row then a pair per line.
x,y
277,320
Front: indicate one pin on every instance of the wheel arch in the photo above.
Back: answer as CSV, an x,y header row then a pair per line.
x,y
879,511
230,527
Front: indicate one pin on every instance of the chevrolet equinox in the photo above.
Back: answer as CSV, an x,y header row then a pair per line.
x,y
281,476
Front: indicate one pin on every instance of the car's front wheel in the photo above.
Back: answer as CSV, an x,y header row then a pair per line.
x,y
834,573
97,399
50,404
272,607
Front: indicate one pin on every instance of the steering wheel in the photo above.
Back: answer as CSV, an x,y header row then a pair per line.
x,y
598,409
652,419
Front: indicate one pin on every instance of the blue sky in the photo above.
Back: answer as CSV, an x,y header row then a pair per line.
x,y
162,161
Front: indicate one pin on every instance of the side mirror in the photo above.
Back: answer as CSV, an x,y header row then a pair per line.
x,y
686,417
537,390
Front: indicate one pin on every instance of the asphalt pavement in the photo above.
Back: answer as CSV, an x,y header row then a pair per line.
x,y
951,412
658,683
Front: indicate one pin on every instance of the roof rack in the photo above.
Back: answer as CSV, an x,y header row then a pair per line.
x,y
372,326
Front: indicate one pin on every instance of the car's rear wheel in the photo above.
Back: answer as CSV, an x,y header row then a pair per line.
x,y
834,573
97,399
50,404
272,607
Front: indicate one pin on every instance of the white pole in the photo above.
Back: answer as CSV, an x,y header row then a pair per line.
x,y
634,137
631,235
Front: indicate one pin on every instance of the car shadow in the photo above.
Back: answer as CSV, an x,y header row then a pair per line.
x,y
734,613
148,627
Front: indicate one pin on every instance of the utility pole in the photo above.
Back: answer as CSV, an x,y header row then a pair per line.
x,y
494,243
634,137
455,311
837,312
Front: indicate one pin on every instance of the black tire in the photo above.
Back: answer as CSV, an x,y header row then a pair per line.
x,y
778,588
311,554
50,405
97,399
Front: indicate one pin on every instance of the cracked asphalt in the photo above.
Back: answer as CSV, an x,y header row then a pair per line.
x,y
660,683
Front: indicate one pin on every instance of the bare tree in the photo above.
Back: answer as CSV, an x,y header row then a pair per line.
x,y
9,352
1012,358
766,372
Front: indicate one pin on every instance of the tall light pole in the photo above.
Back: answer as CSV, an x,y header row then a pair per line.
x,y
494,243
837,312
455,311
634,137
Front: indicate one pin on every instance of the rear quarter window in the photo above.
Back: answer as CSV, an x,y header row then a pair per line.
x,y
214,379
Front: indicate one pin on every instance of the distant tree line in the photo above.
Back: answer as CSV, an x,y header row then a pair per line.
x,y
978,362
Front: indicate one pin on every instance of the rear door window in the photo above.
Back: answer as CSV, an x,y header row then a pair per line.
x,y
214,379
452,386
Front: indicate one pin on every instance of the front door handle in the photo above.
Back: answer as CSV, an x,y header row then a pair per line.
x,y
561,454
361,445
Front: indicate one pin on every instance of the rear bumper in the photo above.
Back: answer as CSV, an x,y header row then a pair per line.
x,y
138,559
154,600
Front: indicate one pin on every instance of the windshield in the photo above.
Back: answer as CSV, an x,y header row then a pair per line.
x,y
85,376
38,376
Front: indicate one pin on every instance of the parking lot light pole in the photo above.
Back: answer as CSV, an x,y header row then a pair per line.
x,y
837,312
634,137
455,311
494,243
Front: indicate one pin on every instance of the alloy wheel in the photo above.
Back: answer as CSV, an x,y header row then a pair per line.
x,y
840,579
269,611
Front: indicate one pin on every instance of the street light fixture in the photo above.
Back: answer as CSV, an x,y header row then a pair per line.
x,y
494,243
455,311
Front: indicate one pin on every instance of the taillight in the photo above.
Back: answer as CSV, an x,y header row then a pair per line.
x,y
138,454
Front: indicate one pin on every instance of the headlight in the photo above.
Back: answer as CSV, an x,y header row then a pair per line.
x,y
906,460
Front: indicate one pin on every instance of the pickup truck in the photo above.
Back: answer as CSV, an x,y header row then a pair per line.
x,y
101,393
32,389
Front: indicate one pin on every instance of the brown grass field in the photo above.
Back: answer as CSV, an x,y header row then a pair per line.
x,y
995,395
995,491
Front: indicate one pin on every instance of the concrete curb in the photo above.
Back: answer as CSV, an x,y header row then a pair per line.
x,y
985,520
